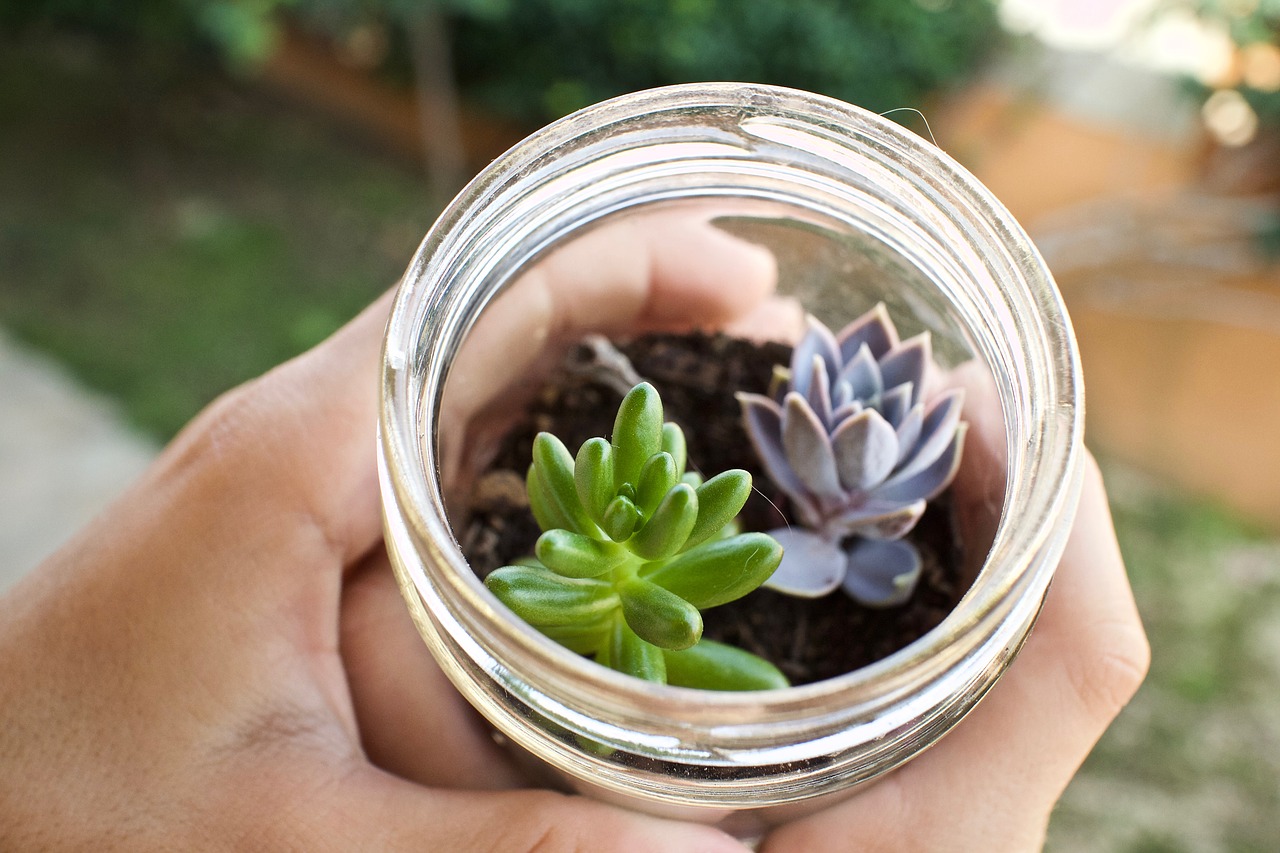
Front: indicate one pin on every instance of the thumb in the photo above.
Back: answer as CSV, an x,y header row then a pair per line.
x,y
377,811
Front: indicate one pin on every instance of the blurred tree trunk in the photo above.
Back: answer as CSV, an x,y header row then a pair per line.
x,y
445,155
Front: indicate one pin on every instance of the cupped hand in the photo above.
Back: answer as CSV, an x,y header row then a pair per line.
x,y
221,660
991,783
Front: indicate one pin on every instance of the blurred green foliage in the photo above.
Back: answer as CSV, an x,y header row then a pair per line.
x,y
1192,764
534,60
167,234
547,57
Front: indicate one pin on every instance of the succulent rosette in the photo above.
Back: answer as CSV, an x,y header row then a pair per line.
x,y
847,433
633,548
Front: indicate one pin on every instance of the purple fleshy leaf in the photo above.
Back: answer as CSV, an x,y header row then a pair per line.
x,y
846,411
811,565
880,573
874,328
762,419
819,396
876,519
841,394
926,484
808,448
907,362
862,372
866,449
896,402
817,341
909,433
936,432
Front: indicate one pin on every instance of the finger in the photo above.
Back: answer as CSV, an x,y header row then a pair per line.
x,y
293,446
663,271
376,811
991,783
778,318
247,518
979,486
668,271
412,721
659,271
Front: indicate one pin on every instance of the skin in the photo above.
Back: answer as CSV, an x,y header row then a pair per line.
x,y
222,660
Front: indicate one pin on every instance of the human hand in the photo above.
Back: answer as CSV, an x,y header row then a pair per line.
x,y
992,782
222,659
211,662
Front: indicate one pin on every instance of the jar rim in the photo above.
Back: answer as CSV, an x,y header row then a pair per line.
x,y
1046,495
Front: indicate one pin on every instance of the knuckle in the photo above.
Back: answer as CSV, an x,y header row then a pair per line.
x,y
546,823
550,822
1106,675
241,426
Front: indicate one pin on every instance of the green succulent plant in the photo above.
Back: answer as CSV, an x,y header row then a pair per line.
x,y
633,548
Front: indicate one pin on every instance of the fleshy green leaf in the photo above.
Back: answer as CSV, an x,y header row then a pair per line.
x,y
543,598
576,556
714,666
620,519
673,442
718,571
720,499
657,476
554,467
637,433
626,652
593,476
658,616
583,639
545,510
629,503
668,528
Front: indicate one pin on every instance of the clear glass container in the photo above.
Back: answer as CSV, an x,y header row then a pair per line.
x,y
856,211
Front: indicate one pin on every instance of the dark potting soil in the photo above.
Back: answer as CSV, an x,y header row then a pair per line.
x,y
697,375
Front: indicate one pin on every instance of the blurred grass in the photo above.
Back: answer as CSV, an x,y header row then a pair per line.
x,y
1193,764
168,233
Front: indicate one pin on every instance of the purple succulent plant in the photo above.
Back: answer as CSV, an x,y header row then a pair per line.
x,y
848,435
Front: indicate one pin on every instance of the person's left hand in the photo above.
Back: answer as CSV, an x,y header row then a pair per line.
x,y
222,659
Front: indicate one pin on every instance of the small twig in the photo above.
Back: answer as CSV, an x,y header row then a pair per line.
x,y
605,363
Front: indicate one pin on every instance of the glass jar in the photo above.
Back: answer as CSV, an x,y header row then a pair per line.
x,y
856,211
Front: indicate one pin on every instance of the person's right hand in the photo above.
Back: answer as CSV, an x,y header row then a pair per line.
x,y
222,660
990,784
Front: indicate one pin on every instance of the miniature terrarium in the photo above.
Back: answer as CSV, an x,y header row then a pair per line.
x,y
729,438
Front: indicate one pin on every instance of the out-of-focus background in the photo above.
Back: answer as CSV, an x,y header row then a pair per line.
x,y
193,190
